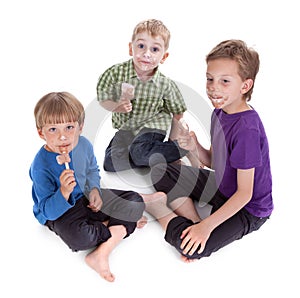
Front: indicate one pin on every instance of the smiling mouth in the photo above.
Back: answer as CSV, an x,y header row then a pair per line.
x,y
217,100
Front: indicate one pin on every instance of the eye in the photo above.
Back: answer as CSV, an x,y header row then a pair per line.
x,y
140,46
52,129
70,127
155,50
209,80
226,81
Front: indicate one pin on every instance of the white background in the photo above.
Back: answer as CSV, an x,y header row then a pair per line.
x,y
64,46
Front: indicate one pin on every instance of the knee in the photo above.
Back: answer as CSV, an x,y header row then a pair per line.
x,y
108,165
173,235
88,236
138,155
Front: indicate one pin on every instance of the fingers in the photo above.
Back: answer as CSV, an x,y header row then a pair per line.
x,y
187,141
95,202
67,179
67,183
125,105
95,208
190,245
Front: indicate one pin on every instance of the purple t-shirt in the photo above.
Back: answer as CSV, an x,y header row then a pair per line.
x,y
239,141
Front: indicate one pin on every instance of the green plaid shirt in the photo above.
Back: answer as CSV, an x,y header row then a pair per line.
x,y
154,100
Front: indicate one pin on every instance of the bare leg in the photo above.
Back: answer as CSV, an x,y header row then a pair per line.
x,y
99,258
156,205
185,207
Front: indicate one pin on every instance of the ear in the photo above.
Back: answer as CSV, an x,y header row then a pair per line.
x,y
130,49
80,128
41,134
247,85
165,56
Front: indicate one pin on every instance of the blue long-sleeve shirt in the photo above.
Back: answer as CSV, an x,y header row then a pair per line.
x,y
49,203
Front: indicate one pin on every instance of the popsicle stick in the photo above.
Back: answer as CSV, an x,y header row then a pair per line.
x,y
66,163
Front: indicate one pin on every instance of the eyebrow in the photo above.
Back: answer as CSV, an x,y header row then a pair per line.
x,y
222,75
155,43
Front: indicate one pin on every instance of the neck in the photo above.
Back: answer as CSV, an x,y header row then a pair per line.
x,y
145,75
242,107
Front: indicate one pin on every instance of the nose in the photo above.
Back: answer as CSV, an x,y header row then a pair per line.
x,y
212,86
62,137
147,53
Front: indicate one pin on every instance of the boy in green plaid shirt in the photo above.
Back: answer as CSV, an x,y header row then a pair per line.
x,y
144,103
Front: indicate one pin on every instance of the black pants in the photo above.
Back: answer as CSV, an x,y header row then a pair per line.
x,y
198,184
81,228
148,147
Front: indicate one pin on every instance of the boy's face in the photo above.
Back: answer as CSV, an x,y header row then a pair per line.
x,y
62,137
147,52
224,86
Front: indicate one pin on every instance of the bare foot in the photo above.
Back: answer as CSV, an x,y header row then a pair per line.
x,y
155,202
142,222
99,262
187,260
156,205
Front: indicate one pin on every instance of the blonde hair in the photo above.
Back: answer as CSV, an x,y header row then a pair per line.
x,y
58,107
154,28
247,59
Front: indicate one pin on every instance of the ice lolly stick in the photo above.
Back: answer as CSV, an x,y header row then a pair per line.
x,y
66,163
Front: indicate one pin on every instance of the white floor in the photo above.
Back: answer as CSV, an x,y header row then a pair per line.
x,y
65,45
145,265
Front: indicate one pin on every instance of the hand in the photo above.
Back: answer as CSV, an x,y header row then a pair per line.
x,y
194,237
188,141
124,106
63,158
67,183
95,200
127,91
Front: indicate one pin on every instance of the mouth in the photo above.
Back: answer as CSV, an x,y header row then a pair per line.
x,y
217,101
145,63
216,98
64,148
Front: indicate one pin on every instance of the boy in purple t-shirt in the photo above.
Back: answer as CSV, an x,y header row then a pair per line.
x,y
238,183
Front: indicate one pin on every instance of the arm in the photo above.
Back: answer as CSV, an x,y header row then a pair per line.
x,y
50,202
198,234
121,106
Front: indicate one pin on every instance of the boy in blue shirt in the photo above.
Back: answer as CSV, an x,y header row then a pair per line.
x,y
66,186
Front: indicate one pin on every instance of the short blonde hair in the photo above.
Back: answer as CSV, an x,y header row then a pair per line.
x,y
237,50
154,28
58,107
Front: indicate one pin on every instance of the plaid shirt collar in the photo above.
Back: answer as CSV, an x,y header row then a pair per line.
x,y
131,74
